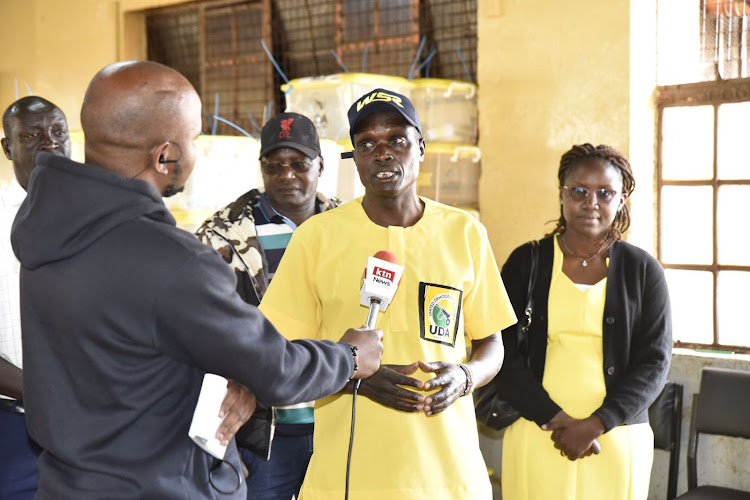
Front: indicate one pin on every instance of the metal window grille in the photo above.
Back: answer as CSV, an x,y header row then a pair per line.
x,y
451,31
725,32
216,45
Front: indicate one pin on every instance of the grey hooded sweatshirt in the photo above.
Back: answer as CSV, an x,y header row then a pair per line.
x,y
122,315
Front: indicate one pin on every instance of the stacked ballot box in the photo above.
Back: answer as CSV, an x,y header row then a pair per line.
x,y
452,164
77,144
225,168
447,110
229,166
326,99
450,175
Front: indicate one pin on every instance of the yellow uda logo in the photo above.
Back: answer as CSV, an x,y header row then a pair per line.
x,y
439,313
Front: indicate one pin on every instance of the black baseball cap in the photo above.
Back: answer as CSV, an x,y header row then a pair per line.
x,y
290,130
382,100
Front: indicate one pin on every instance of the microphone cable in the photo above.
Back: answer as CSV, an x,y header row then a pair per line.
x,y
355,387
372,316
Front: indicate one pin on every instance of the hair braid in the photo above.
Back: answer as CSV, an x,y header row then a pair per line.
x,y
581,152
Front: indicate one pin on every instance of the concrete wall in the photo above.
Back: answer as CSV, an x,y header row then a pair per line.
x,y
551,74
57,47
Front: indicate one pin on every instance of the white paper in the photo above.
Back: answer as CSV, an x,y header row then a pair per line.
x,y
206,419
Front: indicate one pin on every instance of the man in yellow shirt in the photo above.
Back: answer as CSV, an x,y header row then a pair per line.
x,y
415,436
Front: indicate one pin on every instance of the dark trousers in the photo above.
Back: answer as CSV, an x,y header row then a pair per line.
x,y
281,477
19,476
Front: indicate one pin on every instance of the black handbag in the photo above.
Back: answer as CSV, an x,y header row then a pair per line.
x,y
490,409
257,433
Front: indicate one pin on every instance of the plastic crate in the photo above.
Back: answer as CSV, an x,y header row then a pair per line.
x,y
450,174
326,99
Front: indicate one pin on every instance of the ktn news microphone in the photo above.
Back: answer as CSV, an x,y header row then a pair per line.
x,y
381,279
379,283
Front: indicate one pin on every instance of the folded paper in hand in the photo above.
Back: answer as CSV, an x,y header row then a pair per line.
x,y
206,420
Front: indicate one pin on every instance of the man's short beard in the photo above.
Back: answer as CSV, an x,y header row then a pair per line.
x,y
172,189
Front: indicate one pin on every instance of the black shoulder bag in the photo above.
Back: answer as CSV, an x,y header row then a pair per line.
x,y
490,409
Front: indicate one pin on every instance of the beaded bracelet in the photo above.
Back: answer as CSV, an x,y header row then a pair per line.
x,y
356,360
469,380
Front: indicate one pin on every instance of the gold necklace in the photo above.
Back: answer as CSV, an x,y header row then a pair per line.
x,y
584,262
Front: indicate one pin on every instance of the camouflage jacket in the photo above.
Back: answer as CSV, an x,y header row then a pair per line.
x,y
231,231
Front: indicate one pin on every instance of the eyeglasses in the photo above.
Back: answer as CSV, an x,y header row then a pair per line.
x,y
276,168
579,193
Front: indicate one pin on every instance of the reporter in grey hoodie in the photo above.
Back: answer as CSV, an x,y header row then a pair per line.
x,y
123,313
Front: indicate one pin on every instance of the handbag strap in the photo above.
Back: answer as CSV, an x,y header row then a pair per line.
x,y
529,311
522,333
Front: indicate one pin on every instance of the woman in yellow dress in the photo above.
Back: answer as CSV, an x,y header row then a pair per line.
x,y
598,349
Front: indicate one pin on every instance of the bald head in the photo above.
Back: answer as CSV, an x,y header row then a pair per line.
x,y
136,112
33,124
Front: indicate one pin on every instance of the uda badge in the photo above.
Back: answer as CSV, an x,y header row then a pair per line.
x,y
439,313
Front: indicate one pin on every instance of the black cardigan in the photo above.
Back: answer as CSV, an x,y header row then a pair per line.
x,y
637,336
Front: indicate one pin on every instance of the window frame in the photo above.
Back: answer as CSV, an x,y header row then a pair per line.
x,y
713,93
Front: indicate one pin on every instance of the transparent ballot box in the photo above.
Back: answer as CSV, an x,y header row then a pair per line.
x,y
328,183
350,187
228,167
450,174
77,146
447,109
326,99
225,168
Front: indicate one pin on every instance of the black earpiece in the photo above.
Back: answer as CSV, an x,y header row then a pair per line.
x,y
163,159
